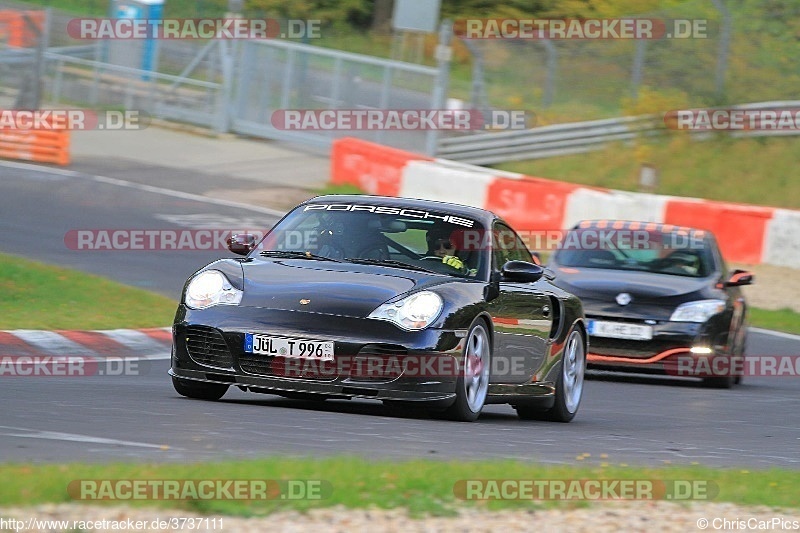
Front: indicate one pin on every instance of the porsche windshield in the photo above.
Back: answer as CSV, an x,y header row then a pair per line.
x,y
672,253
391,236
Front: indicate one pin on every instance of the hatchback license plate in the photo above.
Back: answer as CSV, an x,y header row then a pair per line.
x,y
620,330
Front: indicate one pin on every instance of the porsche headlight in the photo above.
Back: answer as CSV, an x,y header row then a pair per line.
x,y
699,311
209,288
414,312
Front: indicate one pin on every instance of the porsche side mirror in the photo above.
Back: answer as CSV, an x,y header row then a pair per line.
x,y
521,271
241,244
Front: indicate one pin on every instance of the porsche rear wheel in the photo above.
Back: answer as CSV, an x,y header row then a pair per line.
x,y
199,390
473,381
569,386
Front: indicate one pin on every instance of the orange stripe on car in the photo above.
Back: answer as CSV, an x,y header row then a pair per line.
x,y
616,359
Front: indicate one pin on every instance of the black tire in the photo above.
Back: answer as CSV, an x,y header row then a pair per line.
x,y
569,386
742,352
720,383
198,389
471,395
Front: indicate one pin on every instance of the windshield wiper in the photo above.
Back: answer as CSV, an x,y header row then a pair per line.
x,y
388,262
294,254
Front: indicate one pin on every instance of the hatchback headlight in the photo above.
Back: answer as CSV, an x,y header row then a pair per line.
x,y
414,312
210,288
698,311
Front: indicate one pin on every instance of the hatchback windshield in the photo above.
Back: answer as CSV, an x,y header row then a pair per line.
x,y
679,254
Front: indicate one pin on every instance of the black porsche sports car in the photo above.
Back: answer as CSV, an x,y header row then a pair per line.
x,y
391,299
658,299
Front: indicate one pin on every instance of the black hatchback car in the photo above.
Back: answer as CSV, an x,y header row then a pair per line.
x,y
658,298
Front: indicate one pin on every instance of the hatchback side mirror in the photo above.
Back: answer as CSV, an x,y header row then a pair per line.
x,y
739,278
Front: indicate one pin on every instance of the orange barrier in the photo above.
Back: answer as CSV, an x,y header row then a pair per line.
x,y
529,203
41,146
16,31
740,229
373,168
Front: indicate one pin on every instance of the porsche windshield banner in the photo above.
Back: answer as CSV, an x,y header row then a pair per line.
x,y
389,210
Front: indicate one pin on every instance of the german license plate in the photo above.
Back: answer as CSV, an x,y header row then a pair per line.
x,y
288,347
620,330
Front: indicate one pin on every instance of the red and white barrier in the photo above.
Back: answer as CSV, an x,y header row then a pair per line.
x,y
746,233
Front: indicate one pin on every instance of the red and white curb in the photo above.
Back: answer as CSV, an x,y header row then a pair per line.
x,y
150,344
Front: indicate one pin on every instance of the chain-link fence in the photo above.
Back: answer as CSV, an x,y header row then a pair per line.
x,y
237,85
228,85
728,57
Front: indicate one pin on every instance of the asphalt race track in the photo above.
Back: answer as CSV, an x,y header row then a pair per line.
x,y
140,418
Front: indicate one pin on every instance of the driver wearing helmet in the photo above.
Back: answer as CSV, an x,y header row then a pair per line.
x,y
441,244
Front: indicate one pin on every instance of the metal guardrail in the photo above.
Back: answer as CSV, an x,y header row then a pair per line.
x,y
574,138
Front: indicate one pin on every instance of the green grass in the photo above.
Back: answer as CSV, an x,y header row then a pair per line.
x,y
422,486
779,320
759,171
38,296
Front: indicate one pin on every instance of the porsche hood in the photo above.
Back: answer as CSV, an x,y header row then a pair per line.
x,y
325,287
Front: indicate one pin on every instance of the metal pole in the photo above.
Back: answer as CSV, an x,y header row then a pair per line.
x,y
552,67
478,98
224,96
724,46
638,67
444,53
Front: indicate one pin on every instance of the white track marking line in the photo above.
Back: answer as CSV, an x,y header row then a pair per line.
x,y
775,333
146,188
72,437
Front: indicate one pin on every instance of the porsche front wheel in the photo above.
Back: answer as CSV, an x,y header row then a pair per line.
x,y
473,380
